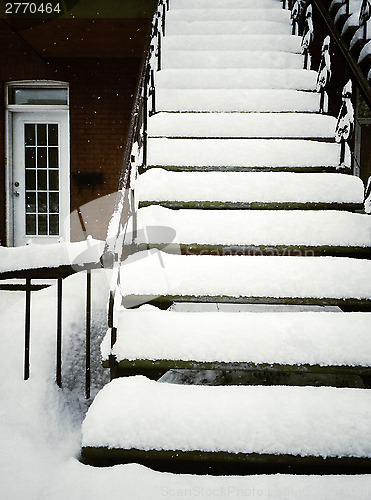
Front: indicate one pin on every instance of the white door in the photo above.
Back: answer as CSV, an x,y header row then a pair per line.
x,y
39,181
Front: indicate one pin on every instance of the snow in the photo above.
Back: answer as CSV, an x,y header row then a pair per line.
x,y
255,100
40,424
259,78
243,153
220,27
34,255
231,59
241,125
285,43
366,51
221,4
244,227
227,14
160,185
358,35
316,421
326,338
155,273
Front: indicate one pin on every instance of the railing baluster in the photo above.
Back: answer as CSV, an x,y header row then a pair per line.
x,y
59,332
27,332
88,334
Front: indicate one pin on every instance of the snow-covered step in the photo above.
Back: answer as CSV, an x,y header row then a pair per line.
x,y
239,154
249,125
251,189
261,78
228,14
252,230
134,419
284,338
181,28
241,100
231,59
154,276
285,43
224,4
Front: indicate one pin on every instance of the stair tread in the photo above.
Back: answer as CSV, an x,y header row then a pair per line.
x,y
227,14
244,125
161,185
315,338
231,59
236,78
155,273
161,225
317,421
225,27
248,153
223,4
285,43
252,100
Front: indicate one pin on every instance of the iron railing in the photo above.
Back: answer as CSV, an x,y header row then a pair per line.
x,y
47,274
310,17
135,160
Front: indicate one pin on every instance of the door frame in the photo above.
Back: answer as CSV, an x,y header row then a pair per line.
x,y
11,111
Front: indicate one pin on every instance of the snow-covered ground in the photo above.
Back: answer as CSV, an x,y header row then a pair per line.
x,y
41,425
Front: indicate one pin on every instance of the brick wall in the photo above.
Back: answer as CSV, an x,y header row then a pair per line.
x,y
101,91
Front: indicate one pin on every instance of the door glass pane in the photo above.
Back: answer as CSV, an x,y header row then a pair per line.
x,y
42,207
41,135
30,135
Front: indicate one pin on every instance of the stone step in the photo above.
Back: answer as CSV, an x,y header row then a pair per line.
x,y
254,232
158,277
241,100
137,420
231,59
224,4
222,27
261,78
238,154
242,125
284,43
227,14
249,189
328,344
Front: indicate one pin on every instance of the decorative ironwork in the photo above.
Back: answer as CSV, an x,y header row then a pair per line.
x,y
324,75
307,38
345,122
298,17
364,16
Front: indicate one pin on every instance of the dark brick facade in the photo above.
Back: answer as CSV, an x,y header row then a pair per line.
x,y
101,99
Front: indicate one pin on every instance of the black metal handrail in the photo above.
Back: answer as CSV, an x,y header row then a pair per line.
x,y
144,106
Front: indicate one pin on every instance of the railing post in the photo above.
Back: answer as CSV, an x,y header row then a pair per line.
x,y
88,334
152,91
59,332
27,330
144,119
345,122
307,37
324,75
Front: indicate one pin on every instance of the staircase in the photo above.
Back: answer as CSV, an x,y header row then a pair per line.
x,y
249,293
